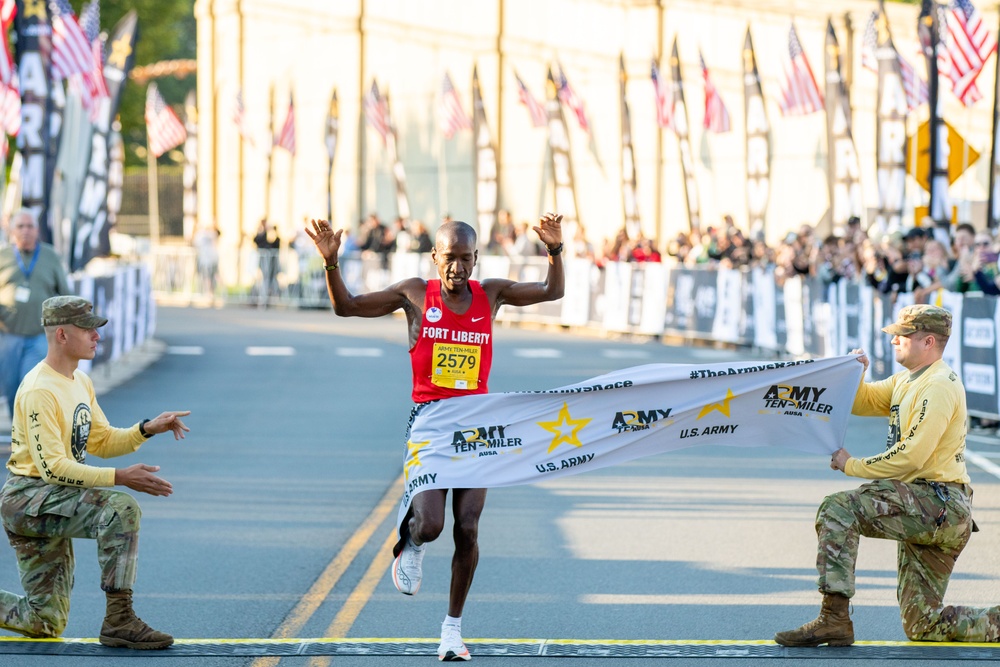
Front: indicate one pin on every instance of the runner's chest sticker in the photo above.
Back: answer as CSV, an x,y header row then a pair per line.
x,y
455,366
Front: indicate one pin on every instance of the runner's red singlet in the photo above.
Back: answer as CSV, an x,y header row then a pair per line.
x,y
453,353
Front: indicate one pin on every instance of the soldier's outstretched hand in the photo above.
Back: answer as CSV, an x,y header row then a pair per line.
x,y
140,477
327,241
549,229
168,421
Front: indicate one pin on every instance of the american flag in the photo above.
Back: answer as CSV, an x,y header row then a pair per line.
x,y
915,88
91,85
377,112
451,115
164,130
10,108
716,114
965,45
664,98
239,117
286,138
535,108
569,97
8,8
71,52
799,93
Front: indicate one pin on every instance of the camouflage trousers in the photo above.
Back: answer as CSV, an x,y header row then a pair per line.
x,y
929,544
40,520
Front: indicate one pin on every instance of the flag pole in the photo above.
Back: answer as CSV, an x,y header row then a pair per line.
x,y
292,225
443,178
154,195
270,160
992,217
332,127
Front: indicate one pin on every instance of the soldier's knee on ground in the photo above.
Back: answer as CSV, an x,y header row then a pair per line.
x,y
922,624
123,508
47,622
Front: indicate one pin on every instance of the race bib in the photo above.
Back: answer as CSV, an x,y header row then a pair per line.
x,y
455,366
22,293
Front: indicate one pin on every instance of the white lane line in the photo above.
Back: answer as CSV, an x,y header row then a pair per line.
x,y
983,462
625,354
189,350
359,352
538,353
278,351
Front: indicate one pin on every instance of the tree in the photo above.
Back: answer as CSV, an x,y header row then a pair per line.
x,y
167,31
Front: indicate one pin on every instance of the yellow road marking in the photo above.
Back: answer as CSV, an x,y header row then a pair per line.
x,y
359,597
264,641
317,593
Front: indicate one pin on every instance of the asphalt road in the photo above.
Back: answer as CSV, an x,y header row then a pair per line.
x,y
285,494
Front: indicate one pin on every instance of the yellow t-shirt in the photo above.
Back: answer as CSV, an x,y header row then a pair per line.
x,y
927,425
57,422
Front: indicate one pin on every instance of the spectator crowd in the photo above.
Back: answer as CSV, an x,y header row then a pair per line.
x,y
918,260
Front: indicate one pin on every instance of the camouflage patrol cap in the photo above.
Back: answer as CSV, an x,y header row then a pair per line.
x,y
73,310
921,317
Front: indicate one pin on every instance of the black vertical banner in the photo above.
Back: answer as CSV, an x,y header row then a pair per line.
x,y
484,166
34,44
560,160
890,134
928,29
91,233
684,142
630,206
979,354
843,170
758,142
993,209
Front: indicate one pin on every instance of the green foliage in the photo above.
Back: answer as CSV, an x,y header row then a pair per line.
x,y
167,31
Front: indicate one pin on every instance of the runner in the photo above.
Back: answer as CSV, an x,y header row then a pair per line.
x,y
450,323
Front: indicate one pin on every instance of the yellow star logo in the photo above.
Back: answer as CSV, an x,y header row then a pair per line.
x,y
413,456
722,407
559,425
120,51
35,8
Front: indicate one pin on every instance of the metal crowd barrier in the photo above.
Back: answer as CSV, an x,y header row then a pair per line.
x,y
796,317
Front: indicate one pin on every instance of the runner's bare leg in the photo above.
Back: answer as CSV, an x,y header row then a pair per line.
x,y
467,505
427,521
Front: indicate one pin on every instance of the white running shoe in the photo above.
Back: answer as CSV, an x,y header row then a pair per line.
x,y
407,568
452,648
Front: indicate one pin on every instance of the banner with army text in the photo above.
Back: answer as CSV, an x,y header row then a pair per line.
x,y
92,232
504,439
33,69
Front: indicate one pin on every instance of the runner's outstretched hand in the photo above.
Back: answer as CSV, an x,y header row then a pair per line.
x,y
327,241
549,229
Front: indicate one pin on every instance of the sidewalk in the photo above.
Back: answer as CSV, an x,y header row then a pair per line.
x,y
106,377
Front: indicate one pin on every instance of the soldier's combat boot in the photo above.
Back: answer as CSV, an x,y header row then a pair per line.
x,y
833,626
122,628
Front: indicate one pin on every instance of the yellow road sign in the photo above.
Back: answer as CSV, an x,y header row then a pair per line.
x,y
960,154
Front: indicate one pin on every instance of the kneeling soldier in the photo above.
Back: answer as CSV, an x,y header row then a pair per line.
x,y
51,495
